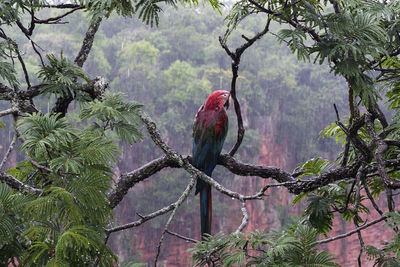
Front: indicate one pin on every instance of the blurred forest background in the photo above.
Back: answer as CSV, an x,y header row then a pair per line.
x,y
171,69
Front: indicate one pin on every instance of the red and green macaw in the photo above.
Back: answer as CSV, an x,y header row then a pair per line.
x,y
209,133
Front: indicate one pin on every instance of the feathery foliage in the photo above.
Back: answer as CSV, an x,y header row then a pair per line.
x,y
111,113
295,246
59,76
389,254
10,224
74,167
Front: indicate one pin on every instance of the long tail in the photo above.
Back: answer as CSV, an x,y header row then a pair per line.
x,y
205,210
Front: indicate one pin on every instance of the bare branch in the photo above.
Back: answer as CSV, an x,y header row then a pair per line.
x,y
8,112
10,148
41,167
293,22
143,219
21,61
335,5
281,176
381,147
235,56
58,18
188,239
376,207
88,41
6,93
245,218
182,198
62,6
360,176
294,185
323,241
130,179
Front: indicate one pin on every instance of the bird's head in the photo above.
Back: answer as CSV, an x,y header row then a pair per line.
x,y
218,98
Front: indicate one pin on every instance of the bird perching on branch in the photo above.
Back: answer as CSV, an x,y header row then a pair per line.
x,y
209,133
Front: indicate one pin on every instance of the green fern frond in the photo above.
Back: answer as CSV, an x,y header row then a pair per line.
x,y
319,213
114,114
315,167
83,245
43,134
59,76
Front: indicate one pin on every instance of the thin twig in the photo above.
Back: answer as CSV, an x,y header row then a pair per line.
x,y
360,176
142,219
235,56
59,6
10,148
37,52
41,167
323,241
381,147
182,198
58,18
376,207
188,239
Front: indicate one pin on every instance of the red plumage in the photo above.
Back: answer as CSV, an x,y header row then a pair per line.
x,y
209,132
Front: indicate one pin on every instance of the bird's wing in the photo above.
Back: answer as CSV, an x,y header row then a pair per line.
x,y
209,133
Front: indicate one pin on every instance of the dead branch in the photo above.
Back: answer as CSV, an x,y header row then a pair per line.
x,y
245,218
7,154
58,18
381,147
182,198
40,167
323,241
143,218
187,239
235,56
8,111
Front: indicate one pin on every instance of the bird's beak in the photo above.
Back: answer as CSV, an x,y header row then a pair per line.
x,y
228,102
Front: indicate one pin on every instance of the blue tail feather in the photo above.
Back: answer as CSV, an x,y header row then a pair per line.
x,y
205,209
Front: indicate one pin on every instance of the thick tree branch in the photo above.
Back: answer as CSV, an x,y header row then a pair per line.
x,y
88,41
128,180
294,185
8,111
6,93
17,184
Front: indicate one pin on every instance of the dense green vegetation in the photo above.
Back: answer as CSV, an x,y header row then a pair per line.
x,y
170,69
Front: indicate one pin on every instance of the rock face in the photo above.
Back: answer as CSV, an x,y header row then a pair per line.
x,y
265,215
